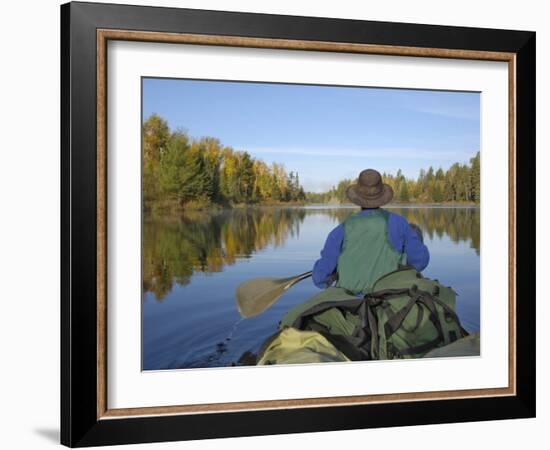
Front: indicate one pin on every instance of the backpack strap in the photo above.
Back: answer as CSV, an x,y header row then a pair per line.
x,y
395,321
449,312
346,345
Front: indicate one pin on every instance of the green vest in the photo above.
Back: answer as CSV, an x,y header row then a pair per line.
x,y
367,253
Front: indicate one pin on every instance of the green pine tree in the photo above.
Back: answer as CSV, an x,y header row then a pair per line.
x,y
404,192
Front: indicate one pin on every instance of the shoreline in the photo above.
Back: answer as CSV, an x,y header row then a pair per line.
x,y
167,210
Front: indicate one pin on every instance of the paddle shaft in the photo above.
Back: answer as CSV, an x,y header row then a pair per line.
x,y
298,278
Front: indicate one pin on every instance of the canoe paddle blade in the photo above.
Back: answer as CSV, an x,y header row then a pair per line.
x,y
256,295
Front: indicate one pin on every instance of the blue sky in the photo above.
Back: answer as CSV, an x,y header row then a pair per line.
x,y
324,133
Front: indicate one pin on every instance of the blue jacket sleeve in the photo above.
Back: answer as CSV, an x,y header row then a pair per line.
x,y
325,266
417,253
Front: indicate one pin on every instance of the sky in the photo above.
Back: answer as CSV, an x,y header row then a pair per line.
x,y
325,133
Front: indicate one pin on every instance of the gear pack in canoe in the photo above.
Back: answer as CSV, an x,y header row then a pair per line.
x,y
404,316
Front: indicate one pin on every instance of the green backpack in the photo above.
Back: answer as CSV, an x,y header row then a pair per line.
x,y
405,316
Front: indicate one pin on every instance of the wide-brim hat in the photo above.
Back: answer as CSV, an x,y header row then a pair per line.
x,y
370,191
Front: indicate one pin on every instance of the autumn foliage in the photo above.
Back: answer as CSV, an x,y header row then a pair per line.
x,y
181,172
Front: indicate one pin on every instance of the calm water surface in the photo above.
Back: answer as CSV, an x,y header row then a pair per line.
x,y
193,263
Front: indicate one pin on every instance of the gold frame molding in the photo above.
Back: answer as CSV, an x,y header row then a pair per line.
x,y
103,36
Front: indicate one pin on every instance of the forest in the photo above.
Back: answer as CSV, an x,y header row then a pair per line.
x,y
459,184
181,172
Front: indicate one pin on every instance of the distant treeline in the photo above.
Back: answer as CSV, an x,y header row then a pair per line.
x,y
179,171
459,184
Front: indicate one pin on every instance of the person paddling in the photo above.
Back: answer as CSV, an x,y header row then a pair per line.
x,y
370,243
381,307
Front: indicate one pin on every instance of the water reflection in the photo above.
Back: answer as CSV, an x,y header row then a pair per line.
x,y
459,224
174,248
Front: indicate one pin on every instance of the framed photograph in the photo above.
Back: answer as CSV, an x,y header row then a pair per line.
x,y
277,224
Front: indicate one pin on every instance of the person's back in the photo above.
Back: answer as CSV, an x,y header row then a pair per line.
x,y
370,243
366,253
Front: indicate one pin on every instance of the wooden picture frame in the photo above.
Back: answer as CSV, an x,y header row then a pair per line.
x,y
86,418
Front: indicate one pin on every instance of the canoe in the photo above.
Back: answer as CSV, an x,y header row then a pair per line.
x,y
292,346
405,316
467,346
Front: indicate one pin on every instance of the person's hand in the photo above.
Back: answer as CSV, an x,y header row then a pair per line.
x,y
332,279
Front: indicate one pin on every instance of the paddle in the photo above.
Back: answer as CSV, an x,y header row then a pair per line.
x,y
256,295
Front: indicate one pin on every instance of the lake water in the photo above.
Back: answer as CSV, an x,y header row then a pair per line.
x,y
193,263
